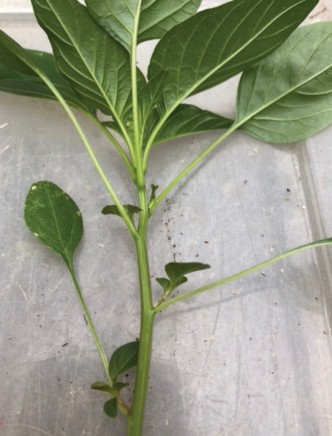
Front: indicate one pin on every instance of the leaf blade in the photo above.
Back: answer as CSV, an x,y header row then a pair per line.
x,y
188,119
94,66
297,83
191,56
111,408
156,17
177,270
123,358
16,78
54,218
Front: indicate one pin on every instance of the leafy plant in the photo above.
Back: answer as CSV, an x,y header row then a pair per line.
x,y
284,95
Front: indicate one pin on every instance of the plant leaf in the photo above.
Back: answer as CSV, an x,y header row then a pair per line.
x,y
156,17
288,96
17,78
53,217
111,408
219,43
96,65
123,358
103,387
164,283
113,210
177,270
189,119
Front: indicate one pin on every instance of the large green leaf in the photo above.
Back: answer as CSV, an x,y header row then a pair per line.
x,y
17,78
288,96
54,218
155,17
219,43
189,119
96,65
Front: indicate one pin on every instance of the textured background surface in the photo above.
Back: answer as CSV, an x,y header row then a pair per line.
x,y
252,359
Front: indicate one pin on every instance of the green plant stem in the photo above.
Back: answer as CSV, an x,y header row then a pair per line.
x,y
90,323
133,55
116,144
192,165
136,418
163,305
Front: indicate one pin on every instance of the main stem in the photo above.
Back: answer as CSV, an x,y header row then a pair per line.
x,y
136,418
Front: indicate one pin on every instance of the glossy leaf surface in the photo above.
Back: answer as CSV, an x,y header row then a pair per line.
x,y
218,43
93,62
155,17
288,96
54,218
123,358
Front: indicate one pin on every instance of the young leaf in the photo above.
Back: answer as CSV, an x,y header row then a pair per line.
x,y
123,358
113,210
53,217
155,17
188,119
17,78
94,65
111,408
164,283
177,270
288,96
218,43
103,387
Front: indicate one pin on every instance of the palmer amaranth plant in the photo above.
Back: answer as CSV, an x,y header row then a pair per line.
x,y
284,96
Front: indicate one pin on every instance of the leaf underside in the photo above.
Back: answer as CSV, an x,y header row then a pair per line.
x,y
17,78
219,43
288,96
93,62
156,17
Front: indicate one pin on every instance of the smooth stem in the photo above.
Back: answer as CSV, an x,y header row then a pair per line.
x,y
116,144
90,323
164,305
136,418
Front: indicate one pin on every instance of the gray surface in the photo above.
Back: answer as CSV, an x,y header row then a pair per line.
x,y
251,359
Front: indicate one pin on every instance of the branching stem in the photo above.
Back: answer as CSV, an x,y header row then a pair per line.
x,y
164,304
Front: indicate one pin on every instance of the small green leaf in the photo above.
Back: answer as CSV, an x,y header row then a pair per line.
x,y
288,96
177,270
113,210
54,218
153,192
123,358
111,408
103,387
164,283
